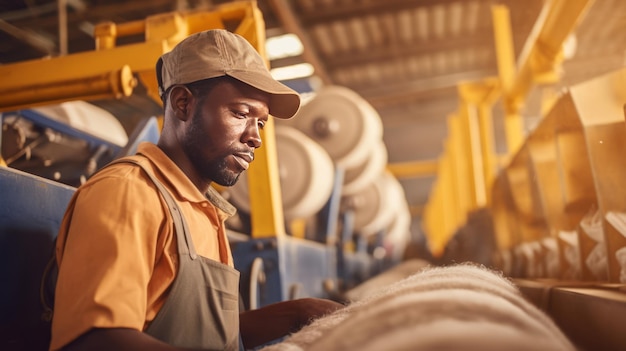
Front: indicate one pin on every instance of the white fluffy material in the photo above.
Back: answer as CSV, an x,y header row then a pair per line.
x,y
461,307
390,276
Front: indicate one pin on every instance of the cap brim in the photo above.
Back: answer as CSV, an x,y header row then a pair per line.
x,y
284,101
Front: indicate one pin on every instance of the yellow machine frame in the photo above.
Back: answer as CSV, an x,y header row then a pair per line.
x,y
111,72
469,165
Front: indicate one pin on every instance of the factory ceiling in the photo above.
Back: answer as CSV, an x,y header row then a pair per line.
x,y
405,57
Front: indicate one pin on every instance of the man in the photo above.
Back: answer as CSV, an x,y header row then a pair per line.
x,y
133,274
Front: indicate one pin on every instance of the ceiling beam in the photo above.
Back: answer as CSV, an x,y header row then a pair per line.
x,y
30,12
98,13
402,92
346,10
287,61
283,11
39,42
390,51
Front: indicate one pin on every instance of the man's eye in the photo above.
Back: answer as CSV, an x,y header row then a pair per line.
x,y
261,124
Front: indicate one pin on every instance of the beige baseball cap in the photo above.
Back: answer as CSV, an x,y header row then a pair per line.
x,y
218,52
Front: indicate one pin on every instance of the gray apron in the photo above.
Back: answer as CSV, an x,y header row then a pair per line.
x,y
202,309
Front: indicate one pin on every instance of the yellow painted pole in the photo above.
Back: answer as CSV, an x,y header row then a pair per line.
x,y
505,55
451,215
477,99
487,146
476,163
440,215
460,175
267,216
490,92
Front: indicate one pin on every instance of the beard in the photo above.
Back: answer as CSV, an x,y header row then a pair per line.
x,y
213,170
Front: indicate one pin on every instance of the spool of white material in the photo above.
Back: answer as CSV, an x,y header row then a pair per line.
x,y
376,205
306,175
342,122
358,177
398,234
87,118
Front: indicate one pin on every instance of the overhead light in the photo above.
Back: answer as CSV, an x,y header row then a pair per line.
x,y
282,46
300,70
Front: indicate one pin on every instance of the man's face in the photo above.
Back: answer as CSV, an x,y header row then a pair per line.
x,y
223,132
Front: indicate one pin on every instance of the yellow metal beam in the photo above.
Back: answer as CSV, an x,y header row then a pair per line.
x,y
109,72
413,169
117,83
505,55
487,143
267,216
460,176
264,188
468,165
82,71
477,99
543,50
444,212
473,156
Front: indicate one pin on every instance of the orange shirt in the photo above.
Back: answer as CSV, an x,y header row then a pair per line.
x,y
117,250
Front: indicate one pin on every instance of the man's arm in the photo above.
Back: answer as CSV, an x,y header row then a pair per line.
x,y
119,339
257,328
277,320
106,259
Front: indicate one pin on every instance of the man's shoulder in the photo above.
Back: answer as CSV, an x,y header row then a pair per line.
x,y
121,173
121,168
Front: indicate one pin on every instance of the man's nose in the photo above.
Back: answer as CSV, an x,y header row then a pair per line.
x,y
253,135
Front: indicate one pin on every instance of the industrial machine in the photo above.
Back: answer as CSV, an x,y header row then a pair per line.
x,y
338,201
325,214
332,227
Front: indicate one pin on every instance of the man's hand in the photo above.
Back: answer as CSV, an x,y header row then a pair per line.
x,y
277,320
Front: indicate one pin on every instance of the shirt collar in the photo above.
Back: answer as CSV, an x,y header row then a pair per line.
x,y
179,182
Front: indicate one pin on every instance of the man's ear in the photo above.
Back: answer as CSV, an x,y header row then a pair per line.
x,y
180,99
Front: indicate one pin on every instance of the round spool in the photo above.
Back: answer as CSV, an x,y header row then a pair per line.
x,y
306,174
398,234
342,122
357,178
374,207
87,118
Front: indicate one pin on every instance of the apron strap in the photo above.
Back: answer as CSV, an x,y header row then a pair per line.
x,y
179,220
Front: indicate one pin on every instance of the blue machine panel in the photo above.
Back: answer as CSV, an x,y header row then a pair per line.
x,y
292,268
31,210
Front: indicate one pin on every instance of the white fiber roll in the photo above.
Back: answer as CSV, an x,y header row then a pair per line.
x,y
450,319
462,307
386,278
